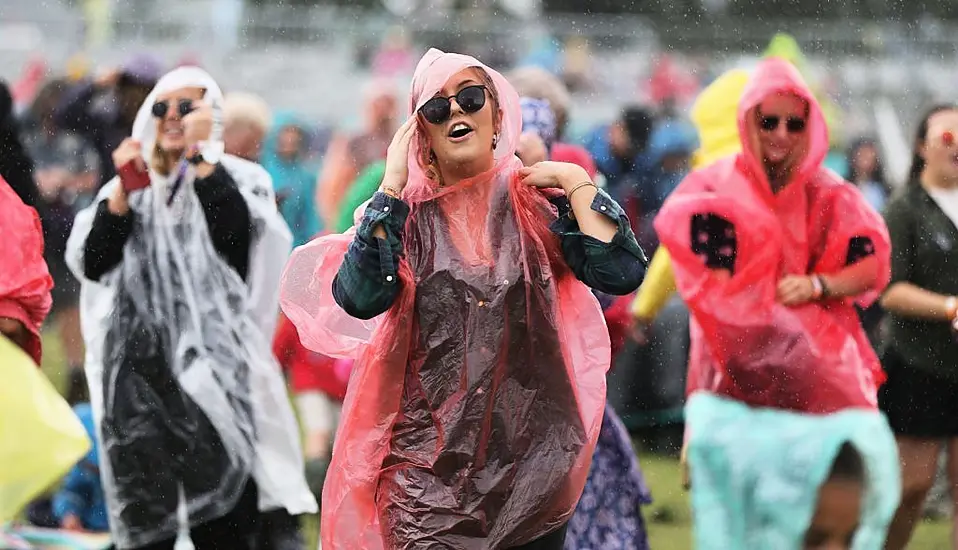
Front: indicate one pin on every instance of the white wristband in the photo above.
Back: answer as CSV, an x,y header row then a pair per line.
x,y
817,289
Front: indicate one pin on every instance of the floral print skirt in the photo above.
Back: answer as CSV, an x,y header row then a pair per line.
x,y
609,515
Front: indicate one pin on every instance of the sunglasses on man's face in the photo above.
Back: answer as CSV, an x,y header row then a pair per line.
x,y
183,107
794,125
438,109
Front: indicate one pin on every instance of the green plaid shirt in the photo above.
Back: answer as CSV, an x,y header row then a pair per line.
x,y
368,280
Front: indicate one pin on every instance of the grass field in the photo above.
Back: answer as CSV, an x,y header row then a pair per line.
x,y
668,517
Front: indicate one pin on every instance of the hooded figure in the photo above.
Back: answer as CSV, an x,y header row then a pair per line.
x,y
474,405
294,181
188,400
732,240
757,473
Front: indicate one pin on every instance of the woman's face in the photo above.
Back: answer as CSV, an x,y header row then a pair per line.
x,y
169,128
289,142
836,517
865,160
940,149
464,139
781,121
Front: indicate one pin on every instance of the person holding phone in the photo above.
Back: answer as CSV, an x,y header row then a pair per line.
x,y
178,261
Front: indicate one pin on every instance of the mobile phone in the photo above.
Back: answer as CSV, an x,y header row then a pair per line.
x,y
132,177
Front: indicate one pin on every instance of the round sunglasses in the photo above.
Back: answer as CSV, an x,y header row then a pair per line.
x,y
794,125
183,107
438,109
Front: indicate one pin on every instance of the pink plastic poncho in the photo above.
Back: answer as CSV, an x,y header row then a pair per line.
x,y
745,345
25,281
475,404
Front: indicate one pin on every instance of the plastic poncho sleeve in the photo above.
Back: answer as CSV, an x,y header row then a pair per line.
x,y
658,287
40,437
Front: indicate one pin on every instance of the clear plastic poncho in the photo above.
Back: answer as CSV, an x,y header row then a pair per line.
x,y
476,400
756,473
731,240
189,401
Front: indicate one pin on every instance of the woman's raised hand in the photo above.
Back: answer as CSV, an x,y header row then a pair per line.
x,y
397,157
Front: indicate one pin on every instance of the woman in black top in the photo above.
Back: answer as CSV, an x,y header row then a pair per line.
x,y
191,408
921,352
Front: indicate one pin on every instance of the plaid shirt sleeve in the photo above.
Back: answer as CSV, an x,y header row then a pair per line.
x,y
617,267
368,282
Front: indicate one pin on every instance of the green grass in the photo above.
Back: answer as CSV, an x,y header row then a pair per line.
x,y
669,517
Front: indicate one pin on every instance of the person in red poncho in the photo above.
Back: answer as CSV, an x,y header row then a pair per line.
x,y
319,386
478,390
772,251
25,281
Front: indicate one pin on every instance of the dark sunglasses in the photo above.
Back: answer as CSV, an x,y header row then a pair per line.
x,y
438,109
794,125
183,106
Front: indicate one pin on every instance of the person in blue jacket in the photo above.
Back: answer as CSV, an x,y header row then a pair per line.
x,y
293,178
79,505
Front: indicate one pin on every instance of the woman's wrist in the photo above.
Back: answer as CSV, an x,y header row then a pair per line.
x,y
818,287
392,188
117,203
572,176
951,308
205,170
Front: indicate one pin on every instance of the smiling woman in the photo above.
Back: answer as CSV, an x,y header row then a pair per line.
x,y
498,347
178,302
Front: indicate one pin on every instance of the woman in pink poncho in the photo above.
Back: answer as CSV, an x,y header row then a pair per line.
x,y
771,253
477,396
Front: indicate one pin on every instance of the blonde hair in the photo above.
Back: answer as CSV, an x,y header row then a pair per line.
x,y
246,108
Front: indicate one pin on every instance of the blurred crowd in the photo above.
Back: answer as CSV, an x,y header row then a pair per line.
x,y
58,134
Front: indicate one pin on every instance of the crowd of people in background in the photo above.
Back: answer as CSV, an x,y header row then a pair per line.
x,y
58,153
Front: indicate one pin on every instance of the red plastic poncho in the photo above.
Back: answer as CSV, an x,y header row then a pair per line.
x,y
308,371
814,358
25,281
473,409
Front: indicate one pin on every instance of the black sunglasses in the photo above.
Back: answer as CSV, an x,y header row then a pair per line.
x,y
183,106
794,125
438,109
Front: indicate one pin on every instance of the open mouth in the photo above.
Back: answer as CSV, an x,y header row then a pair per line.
x,y
173,131
460,130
